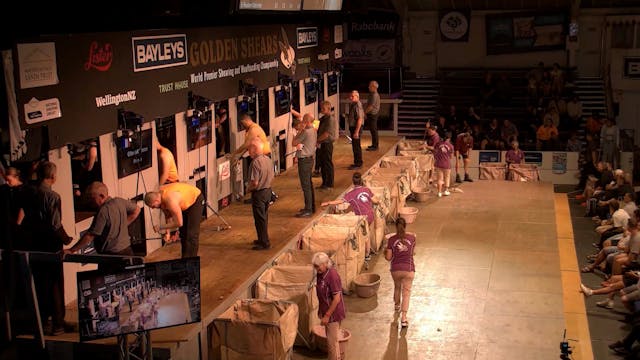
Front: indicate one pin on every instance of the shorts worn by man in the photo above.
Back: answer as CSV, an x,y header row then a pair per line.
x,y
182,205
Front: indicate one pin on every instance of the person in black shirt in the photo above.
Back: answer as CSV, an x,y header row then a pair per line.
x,y
326,132
43,225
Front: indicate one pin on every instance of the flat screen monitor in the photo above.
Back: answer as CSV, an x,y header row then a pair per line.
x,y
331,5
272,5
332,84
198,130
140,298
245,105
282,101
263,110
134,152
310,92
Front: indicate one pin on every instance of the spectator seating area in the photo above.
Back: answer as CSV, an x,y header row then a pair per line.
x,y
526,97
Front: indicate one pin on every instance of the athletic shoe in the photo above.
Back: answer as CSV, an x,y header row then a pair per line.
x,y
458,180
467,178
607,304
446,193
439,194
585,290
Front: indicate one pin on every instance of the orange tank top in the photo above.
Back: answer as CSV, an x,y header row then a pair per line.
x,y
173,170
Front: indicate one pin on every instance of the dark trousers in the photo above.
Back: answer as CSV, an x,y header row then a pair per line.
x,y
632,337
48,279
372,121
190,230
305,166
316,167
325,159
260,206
355,146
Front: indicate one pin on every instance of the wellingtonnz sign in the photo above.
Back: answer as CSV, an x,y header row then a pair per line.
x,y
151,72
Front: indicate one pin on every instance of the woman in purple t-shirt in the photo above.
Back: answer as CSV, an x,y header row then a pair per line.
x,y
514,155
399,251
331,309
361,199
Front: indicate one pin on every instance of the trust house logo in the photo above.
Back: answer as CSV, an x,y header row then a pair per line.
x,y
100,57
156,52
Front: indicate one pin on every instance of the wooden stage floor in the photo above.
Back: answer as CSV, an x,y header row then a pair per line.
x,y
227,260
491,279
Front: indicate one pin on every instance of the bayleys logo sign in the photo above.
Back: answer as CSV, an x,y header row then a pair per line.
x,y
156,52
307,37
100,57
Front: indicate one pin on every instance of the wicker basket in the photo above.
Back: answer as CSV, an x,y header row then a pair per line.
x,y
421,194
320,339
409,214
367,284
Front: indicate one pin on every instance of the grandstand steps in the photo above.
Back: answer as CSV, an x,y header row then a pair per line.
x,y
591,92
419,102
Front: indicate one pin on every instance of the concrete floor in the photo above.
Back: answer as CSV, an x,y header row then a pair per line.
x,y
487,282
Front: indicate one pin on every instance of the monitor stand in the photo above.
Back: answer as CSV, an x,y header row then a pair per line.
x,y
139,349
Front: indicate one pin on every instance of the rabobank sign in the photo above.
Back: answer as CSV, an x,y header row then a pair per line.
x,y
156,52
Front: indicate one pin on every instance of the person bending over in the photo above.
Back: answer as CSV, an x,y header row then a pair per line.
x,y
182,206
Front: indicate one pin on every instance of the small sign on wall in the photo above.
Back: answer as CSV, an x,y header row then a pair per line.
x,y
559,163
632,67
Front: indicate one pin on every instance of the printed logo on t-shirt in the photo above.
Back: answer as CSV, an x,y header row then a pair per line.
x,y
401,246
363,197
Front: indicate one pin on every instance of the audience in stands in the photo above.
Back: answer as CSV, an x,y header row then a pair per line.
x,y
547,135
492,137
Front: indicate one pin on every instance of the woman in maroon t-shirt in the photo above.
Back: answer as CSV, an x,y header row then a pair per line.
x,y
399,251
331,309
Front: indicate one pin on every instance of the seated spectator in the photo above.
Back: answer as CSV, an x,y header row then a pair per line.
x,y
492,139
614,225
472,117
547,135
574,144
608,253
514,155
537,72
509,132
442,126
553,114
574,111
557,80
